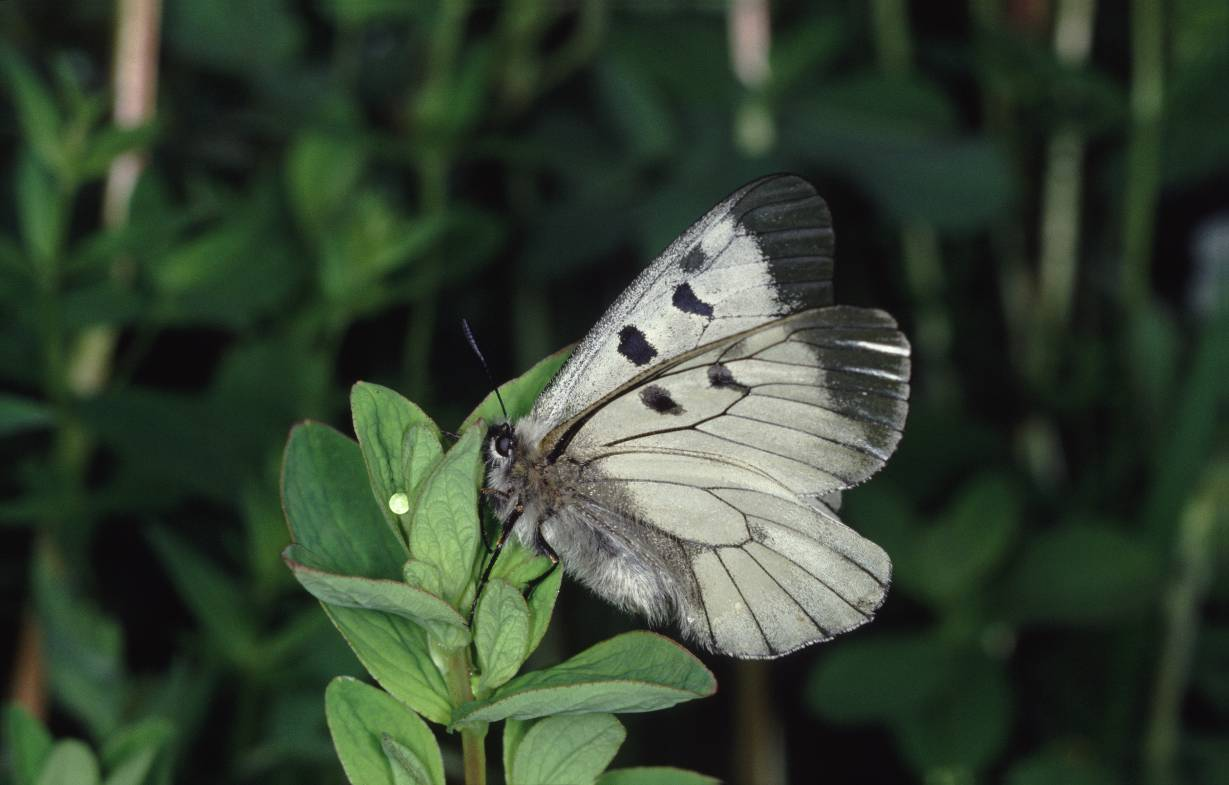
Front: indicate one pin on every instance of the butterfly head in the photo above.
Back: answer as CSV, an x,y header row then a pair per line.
x,y
501,443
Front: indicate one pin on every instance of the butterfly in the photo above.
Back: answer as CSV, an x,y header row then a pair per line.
x,y
687,461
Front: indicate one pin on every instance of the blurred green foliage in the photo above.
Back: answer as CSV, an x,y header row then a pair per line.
x,y
330,185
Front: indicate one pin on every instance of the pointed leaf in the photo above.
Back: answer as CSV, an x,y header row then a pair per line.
x,y
213,596
407,769
382,418
71,762
541,606
420,452
19,414
633,672
1083,572
951,558
445,523
655,775
396,653
327,499
36,109
376,594
566,749
520,393
501,634
361,717
28,744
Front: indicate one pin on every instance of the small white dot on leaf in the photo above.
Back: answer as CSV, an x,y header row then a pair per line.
x,y
399,503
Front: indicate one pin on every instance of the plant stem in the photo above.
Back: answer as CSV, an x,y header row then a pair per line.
x,y
1063,183
1144,151
473,737
920,249
135,84
1193,576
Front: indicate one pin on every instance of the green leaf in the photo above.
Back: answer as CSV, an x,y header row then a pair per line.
x,y
131,754
360,717
878,679
382,420
71,762
655,775
633,672
375,594
966,724
327,498
407,769
1056,766
566,749
28,744
41,210
501,634
19,414
396,653
520,393
541,606
84,649
420,452
328,502
36,109
445,530
322,171
213,595
106,144
518,565
951,559
1083,572
514,732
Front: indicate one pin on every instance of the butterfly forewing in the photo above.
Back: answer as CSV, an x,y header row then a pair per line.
x,y
763,253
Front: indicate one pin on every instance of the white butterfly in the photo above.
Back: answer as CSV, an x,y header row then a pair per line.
x,y
688,459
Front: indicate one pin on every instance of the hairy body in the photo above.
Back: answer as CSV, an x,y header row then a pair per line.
x,y
571,510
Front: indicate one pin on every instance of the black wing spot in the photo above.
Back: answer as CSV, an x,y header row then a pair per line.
x,y
720,377
634,346
658,399
685,300
695,260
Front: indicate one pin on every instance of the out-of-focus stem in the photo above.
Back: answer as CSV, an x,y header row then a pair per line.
x,y
134,79
749,25
446,40
1015,279
923,260
759,744
1144,151
1063,180
1182,602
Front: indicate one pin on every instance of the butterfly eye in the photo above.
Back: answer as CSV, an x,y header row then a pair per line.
x,y
503,445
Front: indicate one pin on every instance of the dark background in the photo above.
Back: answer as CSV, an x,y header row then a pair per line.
x,y
330,186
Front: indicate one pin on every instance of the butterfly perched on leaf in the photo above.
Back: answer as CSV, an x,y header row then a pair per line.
x,y
687,461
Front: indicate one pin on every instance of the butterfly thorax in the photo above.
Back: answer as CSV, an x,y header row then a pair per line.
x,y
570,510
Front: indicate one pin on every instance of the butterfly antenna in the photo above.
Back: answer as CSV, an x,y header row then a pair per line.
x,y
473,344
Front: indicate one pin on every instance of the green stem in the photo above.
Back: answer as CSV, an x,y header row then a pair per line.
x,y
473,737
920,249
1190,585
1060,198
1144,151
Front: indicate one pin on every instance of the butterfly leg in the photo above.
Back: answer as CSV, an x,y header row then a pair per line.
x,y
490,492
544,548
490,565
